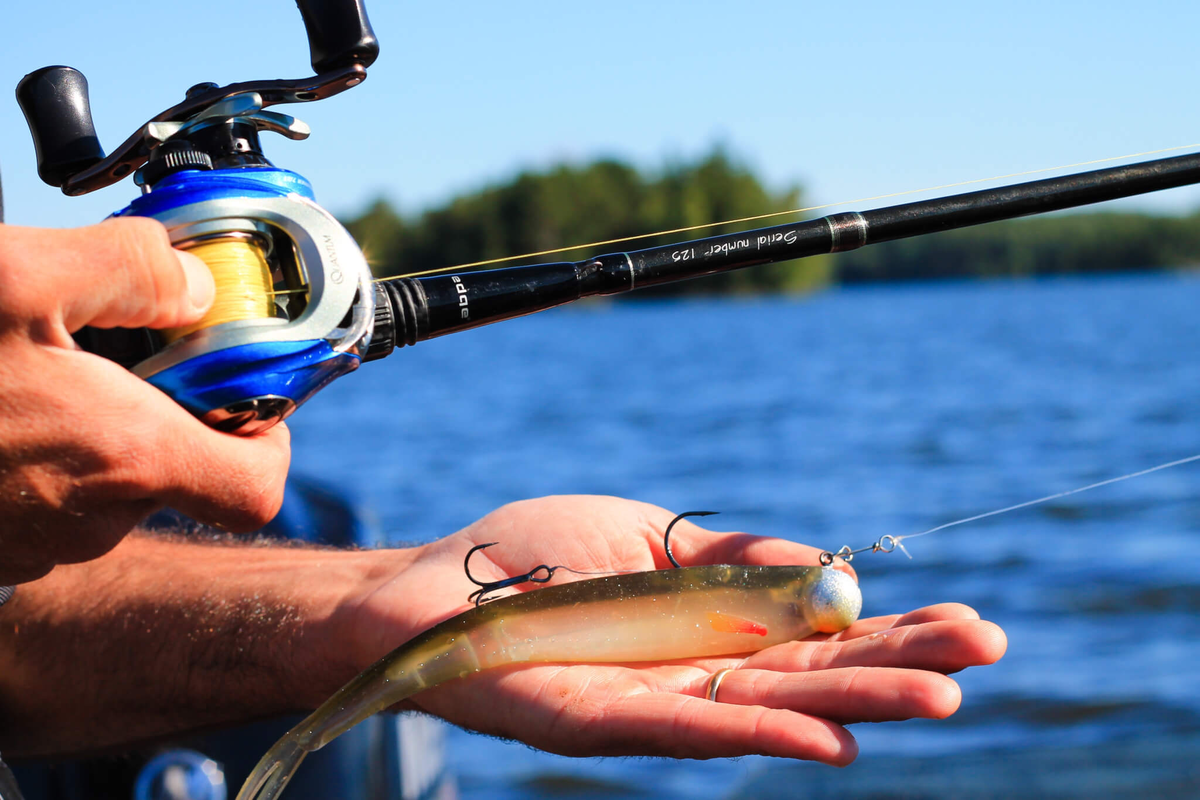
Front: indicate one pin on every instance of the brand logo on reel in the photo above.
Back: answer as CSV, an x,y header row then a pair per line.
x,y
335,273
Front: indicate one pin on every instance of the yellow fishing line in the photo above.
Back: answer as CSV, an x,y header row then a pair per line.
x,y
690,228
243,278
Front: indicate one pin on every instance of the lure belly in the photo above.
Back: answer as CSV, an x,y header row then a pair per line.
x,y
642,616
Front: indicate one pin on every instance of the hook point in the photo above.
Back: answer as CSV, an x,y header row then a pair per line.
x,y
667,533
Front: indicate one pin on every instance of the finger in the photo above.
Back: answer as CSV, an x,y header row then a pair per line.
x,y
942,646
681,726
124,273
582,710
155,449
934,613
233,482
846,695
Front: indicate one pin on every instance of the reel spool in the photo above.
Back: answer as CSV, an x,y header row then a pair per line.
x,y
295,306
244,285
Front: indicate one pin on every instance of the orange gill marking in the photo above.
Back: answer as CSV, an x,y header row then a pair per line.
x,y
727,623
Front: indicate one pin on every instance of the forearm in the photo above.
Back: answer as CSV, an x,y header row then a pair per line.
x,y
162,636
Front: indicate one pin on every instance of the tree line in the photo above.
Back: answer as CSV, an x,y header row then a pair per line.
x,y
608,199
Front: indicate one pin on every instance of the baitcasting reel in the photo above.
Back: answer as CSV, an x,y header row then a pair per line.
x,y
294,305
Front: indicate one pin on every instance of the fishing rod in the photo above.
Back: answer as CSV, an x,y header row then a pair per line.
x,y
426,307
296,306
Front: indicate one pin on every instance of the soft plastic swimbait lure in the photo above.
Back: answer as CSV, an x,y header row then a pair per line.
x,y
640,616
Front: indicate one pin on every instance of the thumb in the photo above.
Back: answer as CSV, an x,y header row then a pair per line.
x,y
124,273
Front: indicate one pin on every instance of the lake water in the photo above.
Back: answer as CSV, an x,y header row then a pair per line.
x,y
834,419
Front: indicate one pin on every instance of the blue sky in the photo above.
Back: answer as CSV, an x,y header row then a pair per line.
x,y
850,100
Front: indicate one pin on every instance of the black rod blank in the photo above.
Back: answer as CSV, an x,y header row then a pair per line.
x,y
437,305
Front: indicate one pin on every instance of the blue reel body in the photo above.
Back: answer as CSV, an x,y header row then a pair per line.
x,y
246,376
193,186
246,380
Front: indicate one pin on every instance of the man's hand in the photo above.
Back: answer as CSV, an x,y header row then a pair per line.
x,y
87,450
790,700
163,636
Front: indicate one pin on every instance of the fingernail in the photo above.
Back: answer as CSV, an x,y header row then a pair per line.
x,y
200,286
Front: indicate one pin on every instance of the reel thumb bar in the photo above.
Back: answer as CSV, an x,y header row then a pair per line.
x,y
410,310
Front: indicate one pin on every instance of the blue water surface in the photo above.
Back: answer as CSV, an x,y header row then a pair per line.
x,y
831,420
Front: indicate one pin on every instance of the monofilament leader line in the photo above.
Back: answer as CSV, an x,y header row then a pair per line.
x,y
888,543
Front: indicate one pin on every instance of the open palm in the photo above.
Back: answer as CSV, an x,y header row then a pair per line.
x,y
789,700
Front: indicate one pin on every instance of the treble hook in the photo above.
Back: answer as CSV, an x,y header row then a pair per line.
x,y
487,587
667,533
542,573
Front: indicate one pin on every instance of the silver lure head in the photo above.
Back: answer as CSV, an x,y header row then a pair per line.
x,y
832,602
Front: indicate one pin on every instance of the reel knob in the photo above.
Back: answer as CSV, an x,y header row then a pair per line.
x,y
55,102
339,34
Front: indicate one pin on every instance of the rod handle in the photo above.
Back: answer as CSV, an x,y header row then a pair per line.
x,y
56,106
339,33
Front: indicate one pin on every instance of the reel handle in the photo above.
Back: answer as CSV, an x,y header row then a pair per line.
x,y
56,106
339,34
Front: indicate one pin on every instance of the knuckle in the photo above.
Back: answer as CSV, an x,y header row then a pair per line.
x,y
141,235
955,611
212,477
258,490
10,287
265,505
30,260
507,515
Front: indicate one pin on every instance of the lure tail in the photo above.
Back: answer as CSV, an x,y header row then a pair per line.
x,y
269,777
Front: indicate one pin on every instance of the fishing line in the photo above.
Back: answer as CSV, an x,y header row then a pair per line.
x,y
887,544
605,242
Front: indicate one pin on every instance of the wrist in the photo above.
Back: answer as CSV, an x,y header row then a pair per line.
x,y
339,639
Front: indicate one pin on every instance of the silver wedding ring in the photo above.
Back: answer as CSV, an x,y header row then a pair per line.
x,y
714,683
